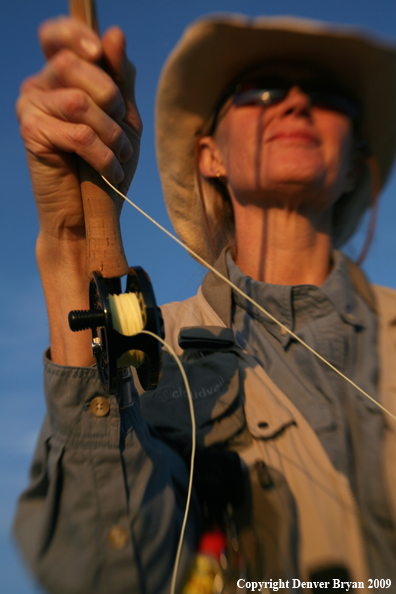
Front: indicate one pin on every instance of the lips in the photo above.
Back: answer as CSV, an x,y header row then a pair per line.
x,y
298,135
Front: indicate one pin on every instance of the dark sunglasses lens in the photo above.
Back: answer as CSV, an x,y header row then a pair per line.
x,y
334,102
256,96
270,96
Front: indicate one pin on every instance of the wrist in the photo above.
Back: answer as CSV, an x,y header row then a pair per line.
x,y
61,253
66,287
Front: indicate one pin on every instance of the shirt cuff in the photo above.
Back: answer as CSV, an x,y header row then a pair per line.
x,y
69,393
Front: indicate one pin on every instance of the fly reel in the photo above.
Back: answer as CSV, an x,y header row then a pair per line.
x,y
108,344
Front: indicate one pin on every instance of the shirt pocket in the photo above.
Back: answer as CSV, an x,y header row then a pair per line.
x,y
213,377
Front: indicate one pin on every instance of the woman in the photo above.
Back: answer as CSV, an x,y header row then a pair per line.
x,y
263,158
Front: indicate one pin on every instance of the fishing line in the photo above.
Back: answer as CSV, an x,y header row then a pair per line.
x,y
128,317
260,308
192,458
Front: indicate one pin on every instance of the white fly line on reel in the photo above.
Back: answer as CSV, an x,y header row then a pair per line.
x,y
128,315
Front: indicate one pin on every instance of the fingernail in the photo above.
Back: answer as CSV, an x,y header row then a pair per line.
x,y
91,48
119,174
126,152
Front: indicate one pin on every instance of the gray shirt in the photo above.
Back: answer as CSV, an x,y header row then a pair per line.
x,y
335,321
106,498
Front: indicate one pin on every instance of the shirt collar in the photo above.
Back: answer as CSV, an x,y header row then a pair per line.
x,y
337,292
218,293
276,299
337,288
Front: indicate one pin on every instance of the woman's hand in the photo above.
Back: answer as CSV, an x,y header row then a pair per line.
x,y
74,107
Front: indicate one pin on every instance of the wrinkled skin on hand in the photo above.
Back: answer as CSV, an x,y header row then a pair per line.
x,y
74,107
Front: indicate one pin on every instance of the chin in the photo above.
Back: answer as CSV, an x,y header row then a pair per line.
x,y
298,188
294,164
296,177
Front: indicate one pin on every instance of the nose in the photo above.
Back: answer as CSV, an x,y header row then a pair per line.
x,y
296,102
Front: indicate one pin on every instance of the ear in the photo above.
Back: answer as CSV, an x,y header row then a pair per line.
x,y
209,158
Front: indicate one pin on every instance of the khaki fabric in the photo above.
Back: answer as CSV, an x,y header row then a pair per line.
x,y
386,305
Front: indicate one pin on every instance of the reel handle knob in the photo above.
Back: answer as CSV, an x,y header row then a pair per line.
x,y
86,319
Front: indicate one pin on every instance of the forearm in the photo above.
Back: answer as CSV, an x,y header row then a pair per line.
x,y
61,263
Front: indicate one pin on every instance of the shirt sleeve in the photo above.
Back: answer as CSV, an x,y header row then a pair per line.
x,y
106,499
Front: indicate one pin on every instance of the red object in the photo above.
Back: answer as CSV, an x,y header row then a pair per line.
x,y
213,543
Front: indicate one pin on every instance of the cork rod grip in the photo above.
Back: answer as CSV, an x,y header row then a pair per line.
x,y
105,252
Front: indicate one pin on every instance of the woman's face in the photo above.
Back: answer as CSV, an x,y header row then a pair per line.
x,y
292,151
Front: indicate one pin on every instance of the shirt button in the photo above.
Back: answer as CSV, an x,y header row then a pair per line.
x,y
117,537
283,331
99,406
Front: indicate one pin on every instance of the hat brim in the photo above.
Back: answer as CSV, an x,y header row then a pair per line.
x,y
213,51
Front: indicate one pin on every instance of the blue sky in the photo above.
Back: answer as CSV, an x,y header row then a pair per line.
x,y
152,28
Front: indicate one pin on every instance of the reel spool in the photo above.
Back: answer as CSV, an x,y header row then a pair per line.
x,y
108,345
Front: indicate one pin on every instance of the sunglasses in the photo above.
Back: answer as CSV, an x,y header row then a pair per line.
x,y
268,91
268,96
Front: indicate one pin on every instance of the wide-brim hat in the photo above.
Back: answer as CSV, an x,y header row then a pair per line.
x,y
213,52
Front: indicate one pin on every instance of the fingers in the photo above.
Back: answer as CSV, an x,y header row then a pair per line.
x,y
46,136
67,70
70,65
68,120
74,106
56,34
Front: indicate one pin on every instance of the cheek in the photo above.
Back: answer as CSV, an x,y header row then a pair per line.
x,y
240,143
289,162
338,149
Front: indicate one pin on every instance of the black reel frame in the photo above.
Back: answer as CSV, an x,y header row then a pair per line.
x,y
108,344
